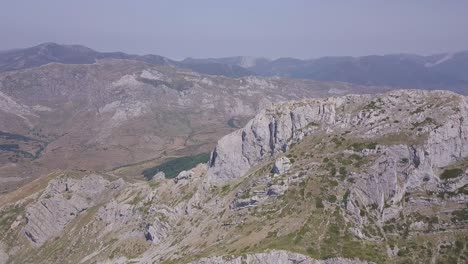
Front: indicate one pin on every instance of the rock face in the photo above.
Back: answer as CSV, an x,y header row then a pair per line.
x,y
275,256
157,231
183,176
269,133
281,165
275,129
63,200
227,161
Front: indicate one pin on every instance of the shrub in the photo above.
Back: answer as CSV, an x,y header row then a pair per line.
x,y
332,199
343,171
404,160
451,173
319,203
362,146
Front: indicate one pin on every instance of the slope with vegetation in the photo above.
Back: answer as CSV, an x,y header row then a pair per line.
x,y
376,178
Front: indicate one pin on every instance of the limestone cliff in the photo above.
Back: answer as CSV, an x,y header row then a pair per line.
x,y
351,179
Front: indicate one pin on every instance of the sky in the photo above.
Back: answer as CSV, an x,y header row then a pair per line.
x,y
219,28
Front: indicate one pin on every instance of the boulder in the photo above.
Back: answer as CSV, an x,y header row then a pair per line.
x,y
184,176
281,165
159,176
277,190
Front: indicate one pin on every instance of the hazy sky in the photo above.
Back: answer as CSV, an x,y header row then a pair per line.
x,y
215,28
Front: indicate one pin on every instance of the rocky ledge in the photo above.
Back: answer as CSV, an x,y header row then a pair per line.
x,y
275,256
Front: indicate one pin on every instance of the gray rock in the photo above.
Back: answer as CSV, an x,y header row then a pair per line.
x,y
400,168
183,176
115,214
277,190
156,231
62,201
274,129
245,202
3,254
281,165
159,176
275,256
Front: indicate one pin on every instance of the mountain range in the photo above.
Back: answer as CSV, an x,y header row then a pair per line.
x,y
111,158
439,71
76,54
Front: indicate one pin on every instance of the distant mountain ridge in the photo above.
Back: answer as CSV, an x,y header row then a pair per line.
x,y
76,54
440,71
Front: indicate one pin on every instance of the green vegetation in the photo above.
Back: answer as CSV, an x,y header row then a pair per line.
x,y
156,83
325,235
460,215
8,216
338,141
372,106
319,203
355,157
404,160
173,167
451,173
362,146
331,199
346,197
418,110
343,171
426,121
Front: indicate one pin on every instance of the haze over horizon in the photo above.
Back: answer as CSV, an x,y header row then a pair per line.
x,y
272,29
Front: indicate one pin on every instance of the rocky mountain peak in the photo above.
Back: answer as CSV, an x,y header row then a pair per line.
x,y
275,129
348,179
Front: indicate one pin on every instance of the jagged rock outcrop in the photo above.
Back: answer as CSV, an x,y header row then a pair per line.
x,y
159,176
277,190
62,201
275,256
269,133
422,134
226,161
281,165
157,231
245,202
276,128
183,176
115,215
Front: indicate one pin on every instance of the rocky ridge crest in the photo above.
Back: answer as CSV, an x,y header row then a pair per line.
x,y
377,178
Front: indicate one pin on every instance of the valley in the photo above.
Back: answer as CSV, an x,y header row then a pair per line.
x,y
117,112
